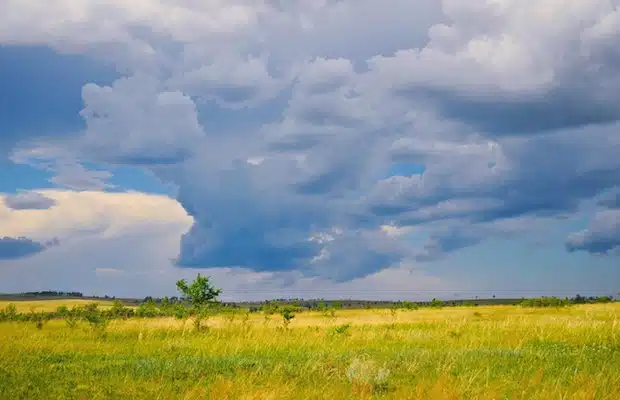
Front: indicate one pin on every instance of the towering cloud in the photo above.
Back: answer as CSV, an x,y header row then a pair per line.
x,y
278,133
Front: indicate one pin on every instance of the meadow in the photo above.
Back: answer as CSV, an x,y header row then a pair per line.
x,y
493,352
24,306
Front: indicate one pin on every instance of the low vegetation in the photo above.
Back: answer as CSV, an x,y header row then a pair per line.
x,y
544,349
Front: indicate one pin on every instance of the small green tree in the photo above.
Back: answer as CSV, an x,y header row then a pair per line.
x,y
9,313
287,315
436,303
201,294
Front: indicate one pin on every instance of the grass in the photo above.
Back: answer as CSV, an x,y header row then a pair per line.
x,y
454,353
51,305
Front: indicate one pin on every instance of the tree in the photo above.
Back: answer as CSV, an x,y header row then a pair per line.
x,y
200,293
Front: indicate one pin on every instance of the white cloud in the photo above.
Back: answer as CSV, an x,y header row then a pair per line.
x,y
134,123
122,244
466,94
80,214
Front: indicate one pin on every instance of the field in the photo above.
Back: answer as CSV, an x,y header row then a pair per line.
x,y
452,353
50,305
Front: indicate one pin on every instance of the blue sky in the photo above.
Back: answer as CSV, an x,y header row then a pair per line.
x,y
471,150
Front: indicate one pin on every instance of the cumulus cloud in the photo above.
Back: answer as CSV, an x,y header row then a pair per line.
x,y
123,244
601,237
512,67
510,107
134,233
29,201
134,123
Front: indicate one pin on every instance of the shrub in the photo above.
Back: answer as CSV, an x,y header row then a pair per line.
x,y
97,320
62,311
436,303
545,302
287,314
341,329
180,311
148,310
9,313
118,310
407,305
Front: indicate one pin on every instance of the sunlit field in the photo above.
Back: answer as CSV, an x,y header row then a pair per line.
x,y
451,353
50,305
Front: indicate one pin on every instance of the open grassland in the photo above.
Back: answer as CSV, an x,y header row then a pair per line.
x,y
453,353
51,305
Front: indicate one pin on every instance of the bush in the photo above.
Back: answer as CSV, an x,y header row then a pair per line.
x,y
9,313
407,305
97,320
148,310
287,314
62,311
118,310
436,303
545,302
341,329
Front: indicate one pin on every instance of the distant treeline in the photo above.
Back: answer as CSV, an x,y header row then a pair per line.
x,y
559,302
178,308
317,304
47,293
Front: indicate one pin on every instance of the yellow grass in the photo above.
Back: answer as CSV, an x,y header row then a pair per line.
x,y
500,352
51,305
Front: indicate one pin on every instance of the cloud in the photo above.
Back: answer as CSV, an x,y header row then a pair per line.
x,y
510,107
601,237
44,84
29,201
611,199
512,67
79,215
134,123
123,244
20,247
68,171
134,233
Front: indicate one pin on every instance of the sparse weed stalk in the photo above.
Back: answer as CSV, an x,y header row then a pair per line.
x,y
71,320
329,312
200,318
368,377
341,329
230,315
245,318
40,319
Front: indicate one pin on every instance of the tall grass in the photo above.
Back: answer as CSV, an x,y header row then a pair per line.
x,y
449,353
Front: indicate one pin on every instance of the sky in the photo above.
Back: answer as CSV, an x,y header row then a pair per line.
x,y
311,149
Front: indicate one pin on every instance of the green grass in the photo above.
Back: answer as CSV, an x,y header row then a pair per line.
x,y
456,353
